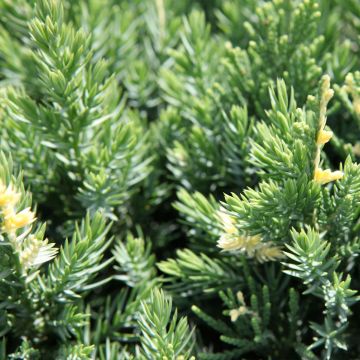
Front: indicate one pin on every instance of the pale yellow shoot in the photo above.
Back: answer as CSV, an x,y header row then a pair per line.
x,y
14,221
235,313
269,252
323,137
36,251
227,222
233,242
325,176
350,88
8,196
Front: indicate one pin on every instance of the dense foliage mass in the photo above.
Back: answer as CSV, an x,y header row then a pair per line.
x,y
179,179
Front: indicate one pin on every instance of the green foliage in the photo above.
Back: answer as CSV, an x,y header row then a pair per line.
x,y
199,213
317,271
197,272
163,335
282,40
286,151
135,261
116,315
79,261
220,138
96,149
38,303
214,129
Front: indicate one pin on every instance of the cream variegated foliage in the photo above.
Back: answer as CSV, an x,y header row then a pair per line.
x,y
352,88
326,176
241,310
323,136
16,227
232,240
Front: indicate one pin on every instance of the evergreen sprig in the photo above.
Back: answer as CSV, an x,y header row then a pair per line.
x,y
163,335
80,126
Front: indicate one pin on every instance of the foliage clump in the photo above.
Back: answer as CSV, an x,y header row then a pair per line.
x,y
179,179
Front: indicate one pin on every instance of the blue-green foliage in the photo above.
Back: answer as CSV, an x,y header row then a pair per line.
x,y
196,153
